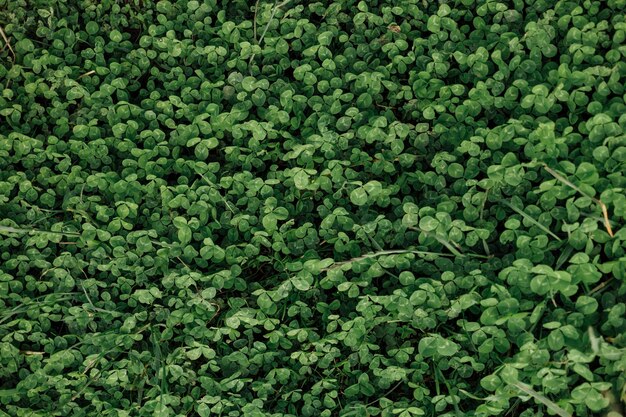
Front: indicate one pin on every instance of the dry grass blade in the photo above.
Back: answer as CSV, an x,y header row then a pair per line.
x,y
31,353
88,73
605,211
601,286
594,340
7,43
615,407
256,8
542,399
530,219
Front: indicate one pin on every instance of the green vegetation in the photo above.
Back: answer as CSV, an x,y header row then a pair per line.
x,y
347,208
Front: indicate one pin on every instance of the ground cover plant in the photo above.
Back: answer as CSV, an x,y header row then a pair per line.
x,y
287,208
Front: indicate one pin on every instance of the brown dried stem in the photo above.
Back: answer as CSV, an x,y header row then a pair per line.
x,y
605,211
7,43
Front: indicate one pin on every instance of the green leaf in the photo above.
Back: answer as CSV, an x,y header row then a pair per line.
x,y
359,196
269,222
269,208
265,302
179,222
406,278
249,83
429,113
80,131
455,170
531,219
300,283
24,46
428,346
325,38
586,305
490,382
428,223
184,235
116,36
434,23
301,180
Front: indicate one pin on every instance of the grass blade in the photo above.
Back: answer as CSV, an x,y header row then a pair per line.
x,y
9,229
530,219
441,240
542,399
8,392
399,252
605,211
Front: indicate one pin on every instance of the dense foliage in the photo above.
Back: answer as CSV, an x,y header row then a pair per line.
x,y
339,208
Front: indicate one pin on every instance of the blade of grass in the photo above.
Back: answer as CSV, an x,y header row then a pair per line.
x,y
94,308
564,257
601,286
9,229
482,211
6,315
256,8
605,211
159,365
274,10
542,399
594,341
399,252
450,392
386,394
441,240
8,392
208,181
530,219
98,372
474,397
373,241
